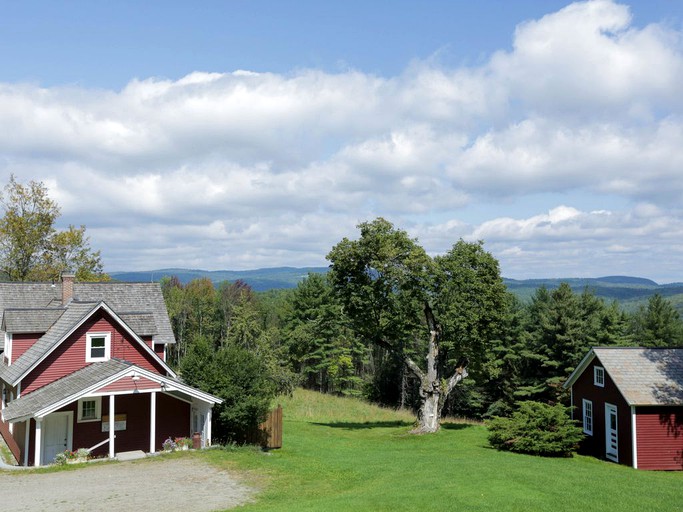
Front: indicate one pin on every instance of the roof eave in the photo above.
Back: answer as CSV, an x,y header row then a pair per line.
x,y
587,359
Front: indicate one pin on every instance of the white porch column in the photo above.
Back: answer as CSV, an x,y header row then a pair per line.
x,y
112,412
208,427
152,421
37,451
11,425
26,441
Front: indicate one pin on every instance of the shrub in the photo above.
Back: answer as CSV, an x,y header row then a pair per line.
x,y
82,454
537,429
241,378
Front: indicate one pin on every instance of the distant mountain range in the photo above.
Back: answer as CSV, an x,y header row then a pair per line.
x,y
262,279
630,292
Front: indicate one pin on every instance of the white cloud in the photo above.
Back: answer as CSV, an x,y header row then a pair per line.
x,y
244,169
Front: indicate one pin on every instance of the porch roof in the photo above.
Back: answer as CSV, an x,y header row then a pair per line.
x,y
87,381
63,388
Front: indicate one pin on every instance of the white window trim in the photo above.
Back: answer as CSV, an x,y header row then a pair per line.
x,y
8,348
588,413
599,370
107,346
98,409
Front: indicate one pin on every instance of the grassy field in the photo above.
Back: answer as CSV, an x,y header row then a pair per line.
x,y
343,455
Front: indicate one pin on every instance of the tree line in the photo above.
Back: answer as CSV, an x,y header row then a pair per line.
x,y
386,311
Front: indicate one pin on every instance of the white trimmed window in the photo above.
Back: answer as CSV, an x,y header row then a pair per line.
x,y
587,417
90,409
98,347
599,376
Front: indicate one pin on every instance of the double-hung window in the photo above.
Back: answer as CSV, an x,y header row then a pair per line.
x,y
599,376
98,347
587,417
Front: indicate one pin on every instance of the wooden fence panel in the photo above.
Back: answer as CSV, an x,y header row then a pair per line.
x,y
272,428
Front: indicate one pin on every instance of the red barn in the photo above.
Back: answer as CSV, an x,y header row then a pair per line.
x,y
630,403
84,366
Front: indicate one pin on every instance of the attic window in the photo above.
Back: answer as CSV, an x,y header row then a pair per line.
x,y
599,376
98,347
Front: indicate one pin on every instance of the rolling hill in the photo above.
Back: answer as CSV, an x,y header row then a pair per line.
x,y
630,292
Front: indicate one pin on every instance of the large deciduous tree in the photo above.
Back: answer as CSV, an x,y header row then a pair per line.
x,y
398,297
31,248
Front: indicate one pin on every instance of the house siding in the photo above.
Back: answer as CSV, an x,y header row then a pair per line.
x,y
70,355
128,384
21,342
594,444
159,350
173,418
659,432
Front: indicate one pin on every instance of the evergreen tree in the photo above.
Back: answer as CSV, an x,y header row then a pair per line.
x,y
323,350
658,324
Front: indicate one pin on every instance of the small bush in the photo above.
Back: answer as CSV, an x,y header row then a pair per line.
x,y
80,455
537,429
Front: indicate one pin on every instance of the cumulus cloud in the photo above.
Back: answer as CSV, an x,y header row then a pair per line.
x,y
239,169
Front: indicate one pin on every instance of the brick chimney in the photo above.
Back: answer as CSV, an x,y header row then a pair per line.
x,y
68,278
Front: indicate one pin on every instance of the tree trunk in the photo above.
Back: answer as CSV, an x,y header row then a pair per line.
x,y
432,391
429,414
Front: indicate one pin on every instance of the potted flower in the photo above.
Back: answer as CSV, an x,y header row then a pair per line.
x,y
169,445
183,443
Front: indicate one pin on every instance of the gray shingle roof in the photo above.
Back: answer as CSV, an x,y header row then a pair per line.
x,y
30,320
63,388
120,297
645,376
143,324
131,297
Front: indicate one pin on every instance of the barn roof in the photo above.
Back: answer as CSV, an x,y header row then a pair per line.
x,y
644,376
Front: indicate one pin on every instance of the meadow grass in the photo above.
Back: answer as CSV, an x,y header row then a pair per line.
x,y
343,454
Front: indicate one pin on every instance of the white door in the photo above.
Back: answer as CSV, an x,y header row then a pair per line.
x,y
57,431
611,436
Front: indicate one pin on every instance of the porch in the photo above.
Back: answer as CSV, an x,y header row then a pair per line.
x,y
129,410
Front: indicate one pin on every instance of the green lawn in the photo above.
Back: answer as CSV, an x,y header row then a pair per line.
x,y
342,454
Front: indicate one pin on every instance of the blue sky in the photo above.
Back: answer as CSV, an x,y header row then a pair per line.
x,y
243,134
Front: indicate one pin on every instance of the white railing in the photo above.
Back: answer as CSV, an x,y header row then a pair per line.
x,y
99,444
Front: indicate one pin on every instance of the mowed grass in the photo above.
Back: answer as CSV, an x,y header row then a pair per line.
x,y
343,454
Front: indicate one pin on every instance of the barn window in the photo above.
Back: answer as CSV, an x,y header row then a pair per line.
x,y
90,409
599,376
97,347
588,417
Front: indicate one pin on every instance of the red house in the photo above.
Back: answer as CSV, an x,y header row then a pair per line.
x,y
84,367
630,403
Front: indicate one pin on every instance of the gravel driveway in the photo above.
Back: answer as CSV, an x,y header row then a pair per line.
x,y
155,484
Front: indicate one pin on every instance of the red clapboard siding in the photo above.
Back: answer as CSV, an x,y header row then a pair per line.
x,y
70,355
159,350
584,387
173,419
22,342
659,432
148,341
128,384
